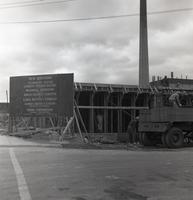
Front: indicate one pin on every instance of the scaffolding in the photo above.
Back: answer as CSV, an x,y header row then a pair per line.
x,y
108,108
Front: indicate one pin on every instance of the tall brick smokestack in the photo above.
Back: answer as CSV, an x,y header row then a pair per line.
x,y
143,47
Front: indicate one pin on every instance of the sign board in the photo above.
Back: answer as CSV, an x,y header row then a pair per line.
x,y
42,95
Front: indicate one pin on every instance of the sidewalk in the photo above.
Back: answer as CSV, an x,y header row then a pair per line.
x,y
68,143
10,141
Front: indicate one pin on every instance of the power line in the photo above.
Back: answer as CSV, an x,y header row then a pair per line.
x,y
97,18
70,20
35,4
19,2
170,11
43,2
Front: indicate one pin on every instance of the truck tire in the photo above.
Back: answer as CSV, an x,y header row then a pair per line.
x,y
145,139
174,138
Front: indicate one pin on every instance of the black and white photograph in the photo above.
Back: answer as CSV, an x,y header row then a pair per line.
x,y
96,99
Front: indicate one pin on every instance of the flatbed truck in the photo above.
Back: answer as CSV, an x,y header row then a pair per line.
x,y
166,124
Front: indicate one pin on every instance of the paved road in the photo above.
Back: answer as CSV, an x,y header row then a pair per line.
x,y
32,172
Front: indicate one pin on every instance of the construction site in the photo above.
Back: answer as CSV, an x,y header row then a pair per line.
x,y
69,128
91,109
103,110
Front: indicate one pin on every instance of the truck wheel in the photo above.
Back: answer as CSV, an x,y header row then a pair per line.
x,y
174,138
145,139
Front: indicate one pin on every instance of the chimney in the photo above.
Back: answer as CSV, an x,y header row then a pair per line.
x,y
153,79
143,47
172,74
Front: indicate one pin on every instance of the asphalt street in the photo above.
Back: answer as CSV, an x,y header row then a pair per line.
x,y
29,171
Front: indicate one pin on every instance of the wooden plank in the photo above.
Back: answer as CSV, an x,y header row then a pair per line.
x,y
78,126
67,128
114,107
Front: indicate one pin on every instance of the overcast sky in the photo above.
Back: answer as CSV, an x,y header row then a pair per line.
x,y
104,51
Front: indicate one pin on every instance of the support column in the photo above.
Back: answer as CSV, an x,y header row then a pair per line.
x,y
91,114
120,113
35,122
106,102
111,112
133,100
43,122
145,100
40,121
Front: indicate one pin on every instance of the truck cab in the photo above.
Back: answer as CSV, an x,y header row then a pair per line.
x,y
166,124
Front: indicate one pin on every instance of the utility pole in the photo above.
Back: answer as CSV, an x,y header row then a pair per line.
x,y
143,47
7,98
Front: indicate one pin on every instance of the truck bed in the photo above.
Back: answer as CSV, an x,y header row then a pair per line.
x,y
167,114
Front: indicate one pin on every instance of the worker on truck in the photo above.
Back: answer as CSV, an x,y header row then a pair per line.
x,y
175,98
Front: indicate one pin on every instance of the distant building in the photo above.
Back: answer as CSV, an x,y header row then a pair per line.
x,y
174,83
4,107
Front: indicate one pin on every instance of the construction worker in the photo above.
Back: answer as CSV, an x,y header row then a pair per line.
x,y
132,131
86,140
175,99
99,119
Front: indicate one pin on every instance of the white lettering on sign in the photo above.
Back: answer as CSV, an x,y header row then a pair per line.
x,y
40,94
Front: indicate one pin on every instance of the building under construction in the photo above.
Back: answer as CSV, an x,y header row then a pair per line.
x,y
108,108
